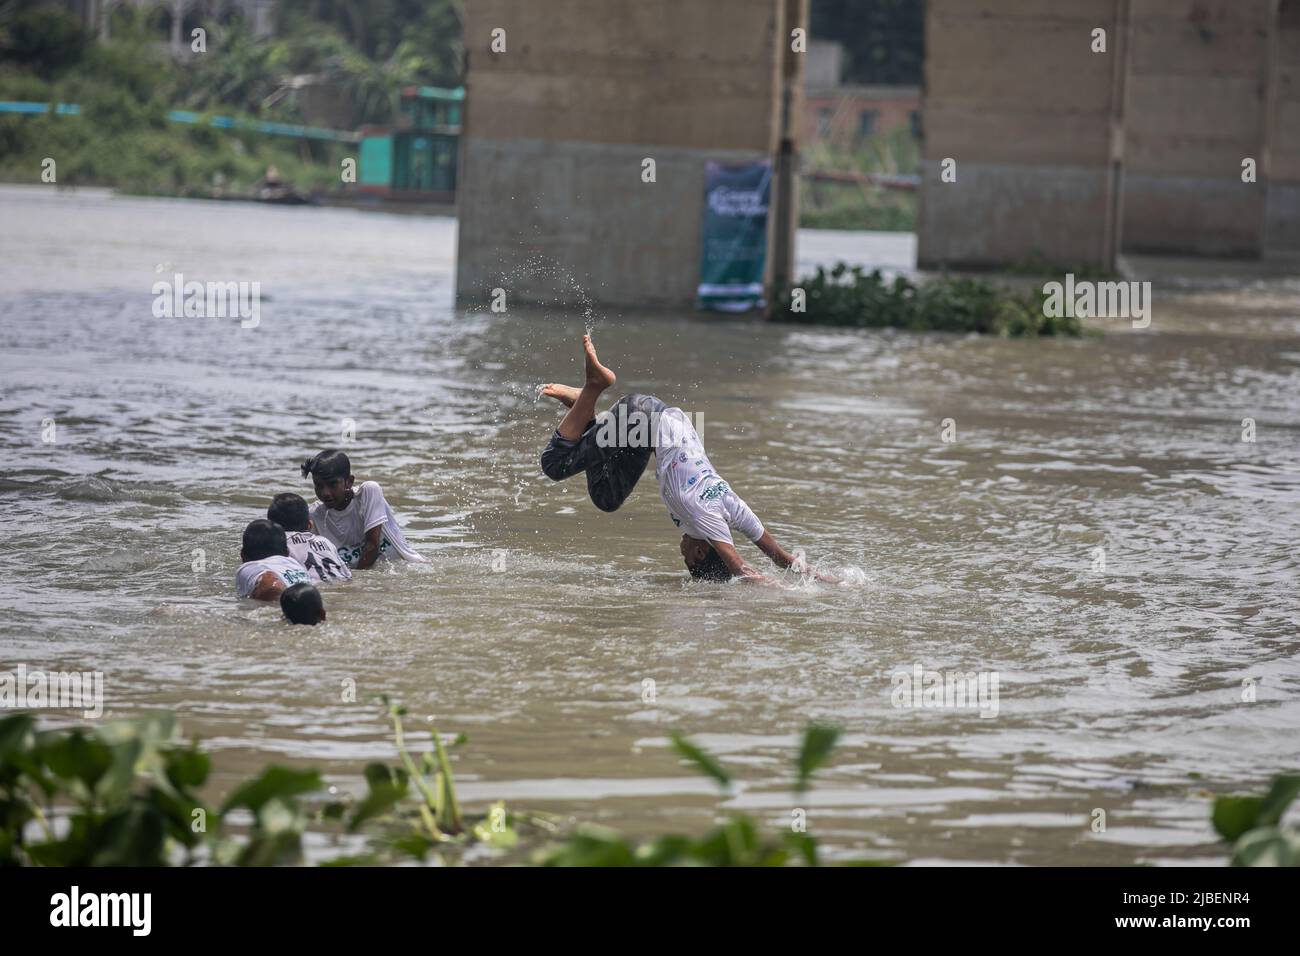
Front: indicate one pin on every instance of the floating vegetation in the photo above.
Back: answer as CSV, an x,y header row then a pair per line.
x,y
851,296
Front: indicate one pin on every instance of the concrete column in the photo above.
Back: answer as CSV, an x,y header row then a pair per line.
x,y
1120,64
1197,106
785,204
551,202
1282,213
1017,99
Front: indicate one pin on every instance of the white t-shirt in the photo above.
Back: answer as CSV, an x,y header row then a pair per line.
x,y
319,556
347,528
286,569
700,503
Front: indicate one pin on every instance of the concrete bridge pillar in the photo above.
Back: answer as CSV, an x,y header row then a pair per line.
x,y
1018,162
566,100
1197,106
1182,137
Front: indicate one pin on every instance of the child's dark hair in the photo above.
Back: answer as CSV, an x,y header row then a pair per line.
x,y
289,511
302,604
264,539
331,463
710,568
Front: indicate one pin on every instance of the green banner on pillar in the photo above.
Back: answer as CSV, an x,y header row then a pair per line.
x,y
736,199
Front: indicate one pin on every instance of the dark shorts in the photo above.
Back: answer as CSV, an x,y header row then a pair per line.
x,y
612,467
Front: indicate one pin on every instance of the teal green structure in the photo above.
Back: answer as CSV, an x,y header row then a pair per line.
x,y
416,158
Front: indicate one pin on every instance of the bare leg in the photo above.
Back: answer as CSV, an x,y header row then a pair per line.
x,y
583,410
566,395
612,471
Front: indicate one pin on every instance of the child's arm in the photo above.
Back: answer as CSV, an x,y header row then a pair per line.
x,y
374,512
268,587
780,557
741,517
370,549
737,565
784,559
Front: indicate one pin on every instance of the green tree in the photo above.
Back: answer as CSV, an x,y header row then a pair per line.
x,y
417,40
45,41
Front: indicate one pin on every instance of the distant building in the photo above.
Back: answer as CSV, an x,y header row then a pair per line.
x,y
415,159
847,114
852,114
176,18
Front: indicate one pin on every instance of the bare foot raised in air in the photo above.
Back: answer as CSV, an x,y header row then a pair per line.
x,y
598,376
564,394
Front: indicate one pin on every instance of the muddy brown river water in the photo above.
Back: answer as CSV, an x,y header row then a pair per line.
x,y
538,621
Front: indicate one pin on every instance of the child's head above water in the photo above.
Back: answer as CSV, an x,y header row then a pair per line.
x,y
302,604
703,561
289,511
263,539
331,473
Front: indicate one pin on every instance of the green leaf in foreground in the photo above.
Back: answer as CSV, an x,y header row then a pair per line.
x,y
1284,790
274,782
591,845
388,787
16,734
818,742
1267,846
77,757
1233,816
704,762
187,767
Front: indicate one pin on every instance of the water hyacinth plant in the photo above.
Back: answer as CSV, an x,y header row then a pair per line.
x,y
735,842
851,296
127,794
412,811
1254,825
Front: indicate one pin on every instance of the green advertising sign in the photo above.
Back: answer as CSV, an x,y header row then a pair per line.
x,y
736,199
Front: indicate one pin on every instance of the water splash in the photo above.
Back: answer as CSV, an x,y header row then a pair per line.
x,y
570,293
853,577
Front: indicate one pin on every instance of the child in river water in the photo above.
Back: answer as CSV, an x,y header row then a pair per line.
x,y
614,449
359,522
265,567
314,552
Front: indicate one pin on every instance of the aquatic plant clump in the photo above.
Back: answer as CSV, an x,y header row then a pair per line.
x,y
1254,827
851,296
127,794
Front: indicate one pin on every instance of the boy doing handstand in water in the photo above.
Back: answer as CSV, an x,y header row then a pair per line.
x,y
614,449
